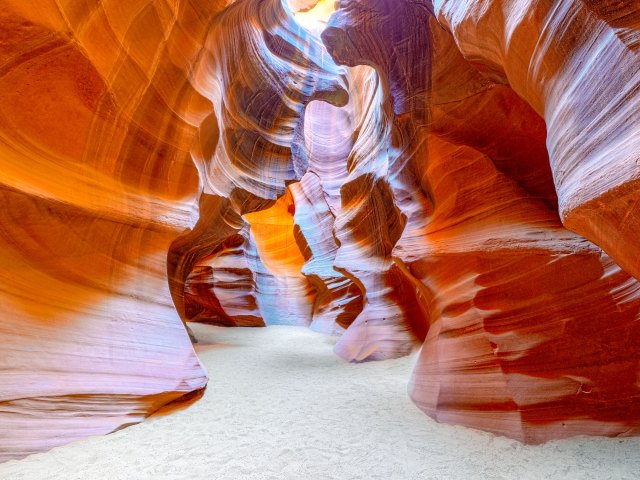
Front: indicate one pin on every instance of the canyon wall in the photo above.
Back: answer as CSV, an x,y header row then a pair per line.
x,y
128,133
450,175
533,329
96,120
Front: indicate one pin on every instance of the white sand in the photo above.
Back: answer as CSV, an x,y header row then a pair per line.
x,y
280,405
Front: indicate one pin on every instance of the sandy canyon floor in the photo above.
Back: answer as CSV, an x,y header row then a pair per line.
x,y
281,405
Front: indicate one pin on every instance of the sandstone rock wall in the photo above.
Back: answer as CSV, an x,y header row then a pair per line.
x,y
555,55
95,128
113,120
455,175
532,328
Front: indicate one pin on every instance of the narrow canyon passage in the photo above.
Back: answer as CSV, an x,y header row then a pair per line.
x,y
447,187
281,405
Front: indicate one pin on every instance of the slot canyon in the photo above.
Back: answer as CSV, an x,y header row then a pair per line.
x,y
445,190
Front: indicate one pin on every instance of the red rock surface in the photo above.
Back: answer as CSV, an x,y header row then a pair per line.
x,y
557,56
532,328
465,181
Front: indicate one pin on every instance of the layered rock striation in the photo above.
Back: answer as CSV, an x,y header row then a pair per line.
x,y
127,147
532,328
451,175
97,181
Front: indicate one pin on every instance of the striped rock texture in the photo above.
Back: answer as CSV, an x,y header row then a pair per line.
x,y
553,54
459,176
97,117
532,328
128,140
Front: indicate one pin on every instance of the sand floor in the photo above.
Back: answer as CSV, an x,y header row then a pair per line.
x,y
280,405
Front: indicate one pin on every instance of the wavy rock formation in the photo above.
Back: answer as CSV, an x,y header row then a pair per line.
x,y
554,55
285,295
532,328
251,146
113,121
400,173
338,299
96,182
221,288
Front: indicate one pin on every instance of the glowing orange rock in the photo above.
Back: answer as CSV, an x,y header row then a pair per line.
x,y
114,118
209,161
95,128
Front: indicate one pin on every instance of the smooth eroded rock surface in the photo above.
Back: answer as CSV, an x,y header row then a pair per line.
x,y
456,176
